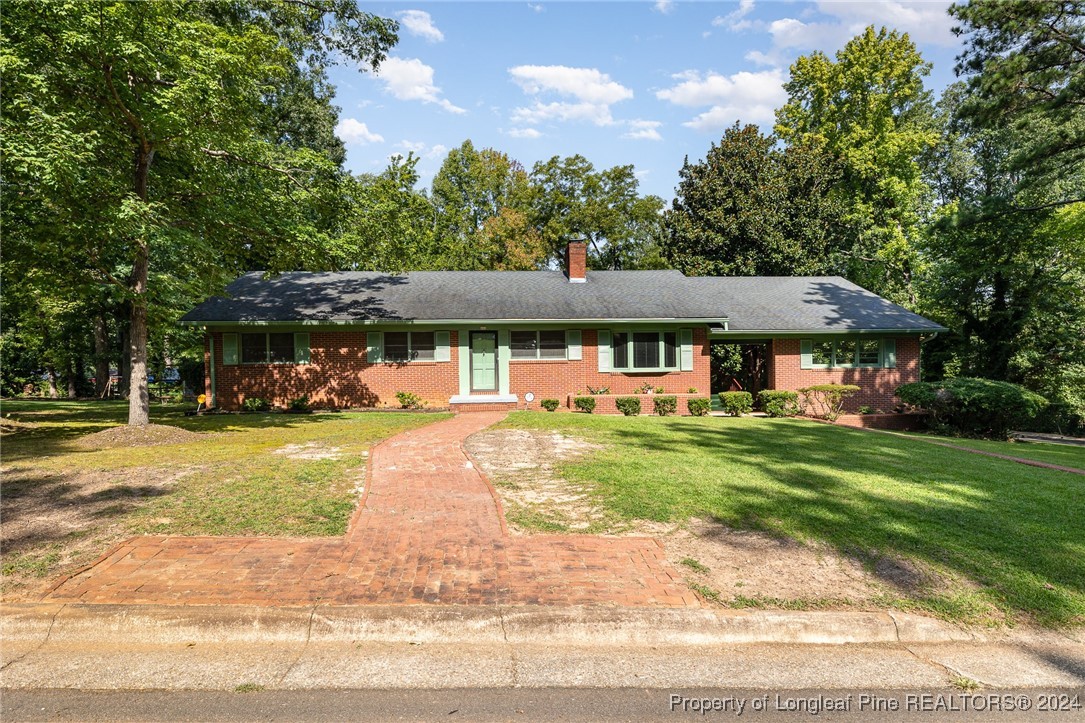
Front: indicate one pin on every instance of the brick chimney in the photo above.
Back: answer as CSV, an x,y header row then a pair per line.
x,y
576,261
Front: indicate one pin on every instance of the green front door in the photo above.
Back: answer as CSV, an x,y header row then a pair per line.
x,y
483,361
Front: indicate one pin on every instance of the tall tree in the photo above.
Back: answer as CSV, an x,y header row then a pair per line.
x,y
869,109
141,131
753,208
480,196
570,199
1025,60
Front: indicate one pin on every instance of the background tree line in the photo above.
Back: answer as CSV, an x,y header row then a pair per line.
x,y
153,151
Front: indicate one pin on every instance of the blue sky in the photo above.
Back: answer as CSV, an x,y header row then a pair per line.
x,y
618,82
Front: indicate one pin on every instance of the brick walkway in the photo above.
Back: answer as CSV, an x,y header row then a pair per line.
x,y
428,530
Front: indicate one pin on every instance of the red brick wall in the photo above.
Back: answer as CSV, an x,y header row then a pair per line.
x,y
558,379
876,384
339,376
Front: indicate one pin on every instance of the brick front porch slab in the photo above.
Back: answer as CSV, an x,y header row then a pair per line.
x,y
429,529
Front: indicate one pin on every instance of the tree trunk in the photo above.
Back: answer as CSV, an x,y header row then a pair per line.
x,y
69,371
101,356
139,403
51,374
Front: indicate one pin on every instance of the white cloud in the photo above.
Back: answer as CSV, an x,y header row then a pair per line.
x,y
560,111
420,23
423,150
523,133
586,84
353,131
411,79
736,19
744,96
537,8
664,6
643,130
591,91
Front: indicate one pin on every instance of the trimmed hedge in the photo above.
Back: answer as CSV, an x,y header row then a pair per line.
x,y
974,407
827,400
699,406
736,403
549,404
584,404
666,405
779,402
629,406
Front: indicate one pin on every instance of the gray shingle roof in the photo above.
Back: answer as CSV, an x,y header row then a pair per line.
x,y
750,303
805,303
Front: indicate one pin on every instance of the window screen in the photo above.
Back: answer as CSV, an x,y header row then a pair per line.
x,y
670,349
552,344
254,348
281,347
621,351
524,344
422,346
822,353
396,347
645,350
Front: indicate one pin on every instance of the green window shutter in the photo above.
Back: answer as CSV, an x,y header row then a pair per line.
x,y
301,348
441,343
229,348
889,353
374,353
806,354
685,339
604,351
573,350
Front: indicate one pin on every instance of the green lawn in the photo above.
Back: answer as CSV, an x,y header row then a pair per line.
x,y
1012,537
228,481
1061,454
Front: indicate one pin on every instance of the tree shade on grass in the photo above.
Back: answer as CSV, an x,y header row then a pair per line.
x,y
1010,539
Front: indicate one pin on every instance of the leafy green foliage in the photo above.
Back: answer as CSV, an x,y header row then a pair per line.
x,y
736,403
752,208
974,407
550,405
256,404
699,406
1025,61
629,406
409,400
779,402
665,405
140,136
868,108
300,404
827,400
569,199
584,404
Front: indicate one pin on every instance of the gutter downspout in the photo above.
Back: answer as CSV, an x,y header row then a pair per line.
x,y
211,339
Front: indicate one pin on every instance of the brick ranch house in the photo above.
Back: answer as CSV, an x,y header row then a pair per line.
x,y
474,340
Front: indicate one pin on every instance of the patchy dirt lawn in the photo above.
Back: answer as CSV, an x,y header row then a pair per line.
x,y
736,568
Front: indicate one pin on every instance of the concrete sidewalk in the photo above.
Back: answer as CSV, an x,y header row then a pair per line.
x,y
100,647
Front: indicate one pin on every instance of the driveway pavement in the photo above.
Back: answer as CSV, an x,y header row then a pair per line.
x,y
429,529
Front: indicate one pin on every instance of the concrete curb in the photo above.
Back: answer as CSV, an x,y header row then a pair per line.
x,y
37,623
